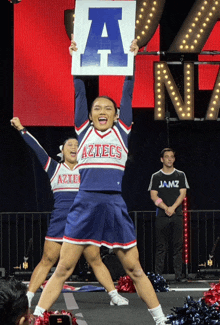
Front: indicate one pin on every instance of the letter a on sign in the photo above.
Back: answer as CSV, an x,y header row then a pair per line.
x,y
103,31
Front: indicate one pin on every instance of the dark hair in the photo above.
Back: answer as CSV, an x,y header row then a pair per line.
x,y
65,141
13,300
106,97
165,150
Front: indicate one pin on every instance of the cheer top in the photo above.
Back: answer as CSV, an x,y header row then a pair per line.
x,y
168,187
102,155
64,182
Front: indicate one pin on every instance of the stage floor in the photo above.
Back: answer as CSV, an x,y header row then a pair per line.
x,y
93,308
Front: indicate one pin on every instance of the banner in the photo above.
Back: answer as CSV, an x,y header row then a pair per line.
x,y
103,31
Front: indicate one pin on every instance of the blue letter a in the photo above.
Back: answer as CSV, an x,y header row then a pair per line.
x,y
113,42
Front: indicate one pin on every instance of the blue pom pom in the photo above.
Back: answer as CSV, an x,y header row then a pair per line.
x,y
194,312
158,282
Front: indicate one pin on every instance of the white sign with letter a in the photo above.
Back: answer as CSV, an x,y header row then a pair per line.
x,y
103,31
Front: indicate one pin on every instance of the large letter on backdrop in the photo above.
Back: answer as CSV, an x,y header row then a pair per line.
x,y
214,104
104,38
197,27
163,78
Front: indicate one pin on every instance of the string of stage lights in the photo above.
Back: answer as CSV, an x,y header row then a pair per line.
x,y
190,40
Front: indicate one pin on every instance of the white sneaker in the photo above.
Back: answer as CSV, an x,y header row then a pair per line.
x,y
162,321
118,300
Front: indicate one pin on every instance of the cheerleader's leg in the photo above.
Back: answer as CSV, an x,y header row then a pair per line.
x,y
102,274
51,254
69,256
130,261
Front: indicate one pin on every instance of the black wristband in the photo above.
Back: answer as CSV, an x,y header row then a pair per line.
x,y
23,130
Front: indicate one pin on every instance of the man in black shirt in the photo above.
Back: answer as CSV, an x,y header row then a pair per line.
x,y
167,190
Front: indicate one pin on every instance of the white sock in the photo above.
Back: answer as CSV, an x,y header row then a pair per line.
x,y
30,296
157,313
39,311
113,293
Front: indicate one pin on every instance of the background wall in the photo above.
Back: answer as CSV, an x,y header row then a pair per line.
x,y
24,185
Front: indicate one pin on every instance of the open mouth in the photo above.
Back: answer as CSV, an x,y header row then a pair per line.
x,y
102,120
73,154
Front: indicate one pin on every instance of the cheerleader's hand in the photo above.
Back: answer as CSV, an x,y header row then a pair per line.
x,y
134,47
73,47
33,319
15,122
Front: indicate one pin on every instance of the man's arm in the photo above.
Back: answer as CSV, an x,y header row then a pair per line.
x,y
158,201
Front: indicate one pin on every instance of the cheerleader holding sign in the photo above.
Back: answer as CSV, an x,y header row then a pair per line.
x,y
99,215
64,193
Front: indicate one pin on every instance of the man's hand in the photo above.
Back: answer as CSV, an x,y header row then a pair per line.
x,y
15,122
73,47
134,47
170,211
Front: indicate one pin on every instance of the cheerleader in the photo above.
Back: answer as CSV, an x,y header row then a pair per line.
x,y
64,180
99,215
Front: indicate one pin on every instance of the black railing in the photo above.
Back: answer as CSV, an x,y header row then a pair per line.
x,y
204,229
22,234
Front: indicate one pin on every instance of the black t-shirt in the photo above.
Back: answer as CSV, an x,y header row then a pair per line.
x,y
168,187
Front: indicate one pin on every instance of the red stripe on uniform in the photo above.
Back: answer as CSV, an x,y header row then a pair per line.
x,y
81,126
101,164
55,173
87,241
102,136
74,189
84,140
120,141
47,163
124,125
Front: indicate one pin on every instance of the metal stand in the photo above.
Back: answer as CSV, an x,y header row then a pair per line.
x,y
208,270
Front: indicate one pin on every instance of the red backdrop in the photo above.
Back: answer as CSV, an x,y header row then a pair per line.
x,y
43,86
208,73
